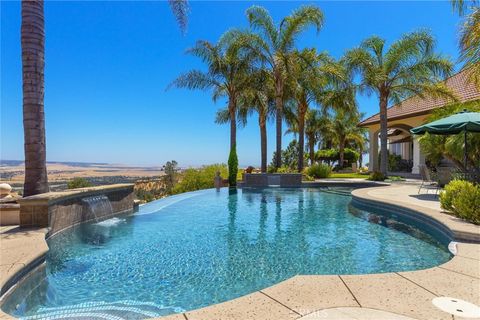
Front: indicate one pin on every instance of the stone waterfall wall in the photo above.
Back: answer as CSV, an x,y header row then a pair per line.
x,y
61,210
286,180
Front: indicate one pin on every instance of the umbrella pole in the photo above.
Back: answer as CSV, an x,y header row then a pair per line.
x,y
465,150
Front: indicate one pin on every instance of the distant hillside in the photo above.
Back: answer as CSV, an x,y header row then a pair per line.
x,y
14,163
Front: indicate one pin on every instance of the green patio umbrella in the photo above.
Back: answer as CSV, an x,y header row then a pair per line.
x,y
460,122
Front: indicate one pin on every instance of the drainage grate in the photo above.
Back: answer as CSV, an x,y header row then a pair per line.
x,y
457,307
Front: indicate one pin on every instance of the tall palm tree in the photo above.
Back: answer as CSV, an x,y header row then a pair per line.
x,y
253,99
313,123
274,44
409,67
315,79
345,130
470,36
228,69
258,98
33,65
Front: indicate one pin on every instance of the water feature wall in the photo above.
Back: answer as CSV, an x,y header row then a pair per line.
x,y
286,180
61,210
96,207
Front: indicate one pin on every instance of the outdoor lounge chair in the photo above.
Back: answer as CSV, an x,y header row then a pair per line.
x,y
427,182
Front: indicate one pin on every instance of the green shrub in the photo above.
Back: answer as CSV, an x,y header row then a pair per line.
x,y
462,198
78,183
144,195
376,176
451,191
232,167
306,177
271,168
319,170
285,169
197,179
331,155
289,157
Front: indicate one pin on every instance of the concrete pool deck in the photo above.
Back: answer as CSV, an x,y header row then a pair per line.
x,y
395,296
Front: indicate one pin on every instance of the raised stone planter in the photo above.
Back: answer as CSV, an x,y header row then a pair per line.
x,y
9,214
61,210
285,180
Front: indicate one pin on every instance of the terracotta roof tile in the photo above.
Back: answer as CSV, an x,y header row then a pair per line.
x,y
458,83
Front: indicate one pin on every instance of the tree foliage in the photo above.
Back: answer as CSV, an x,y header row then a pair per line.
x,y
170,170
78,183
451,147
408,67
469,42
273,44
232,167
201,178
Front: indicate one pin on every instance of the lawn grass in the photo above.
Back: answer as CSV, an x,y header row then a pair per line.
x,y
348,175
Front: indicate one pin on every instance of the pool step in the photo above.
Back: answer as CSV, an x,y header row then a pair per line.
x,y
118,310
340,192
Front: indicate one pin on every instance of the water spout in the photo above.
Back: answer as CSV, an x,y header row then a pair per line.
x,y
97,207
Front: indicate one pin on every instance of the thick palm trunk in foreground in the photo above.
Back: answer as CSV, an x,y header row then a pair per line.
x,y
33,63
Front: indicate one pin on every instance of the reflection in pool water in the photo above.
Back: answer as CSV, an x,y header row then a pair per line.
x,y
197,249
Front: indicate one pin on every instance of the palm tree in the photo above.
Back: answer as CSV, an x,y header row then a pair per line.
x,y
252,100
227,76
409,67
345,129
33,64
316,78
313,125
470,36
258,98
274,44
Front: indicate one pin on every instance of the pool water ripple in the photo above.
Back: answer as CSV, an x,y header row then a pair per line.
x,y
207,247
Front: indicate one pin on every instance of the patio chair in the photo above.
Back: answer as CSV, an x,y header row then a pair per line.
x,y
427,182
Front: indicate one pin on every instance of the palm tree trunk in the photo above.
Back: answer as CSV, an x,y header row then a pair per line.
x,y
279,118
302,109
341,150
232,109
33,64
383,133
263,143
311,145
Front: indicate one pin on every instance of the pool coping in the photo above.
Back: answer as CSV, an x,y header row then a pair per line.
x,y
405,293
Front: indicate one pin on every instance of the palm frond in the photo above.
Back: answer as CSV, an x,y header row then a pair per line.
x,y
180,10
461,6
410,46
470,39
298,21
194,79
261,20
222,116
375,45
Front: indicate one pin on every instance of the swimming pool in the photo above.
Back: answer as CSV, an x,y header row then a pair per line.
x,y
201,248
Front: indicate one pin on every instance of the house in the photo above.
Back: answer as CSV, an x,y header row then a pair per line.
x,y
411,113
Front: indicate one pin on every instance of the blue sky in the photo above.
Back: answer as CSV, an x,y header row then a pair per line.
x,y
108,64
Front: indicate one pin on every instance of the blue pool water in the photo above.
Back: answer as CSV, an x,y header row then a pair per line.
x,y
201,248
